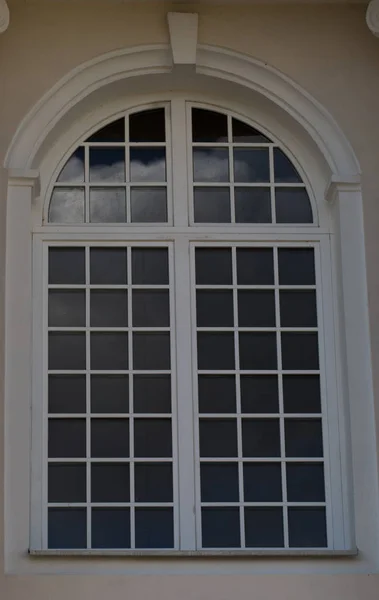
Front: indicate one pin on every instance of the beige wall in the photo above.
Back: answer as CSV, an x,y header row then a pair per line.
x,y
329,51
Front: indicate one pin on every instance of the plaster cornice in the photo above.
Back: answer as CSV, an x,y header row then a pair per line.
x,y
372,17
4,16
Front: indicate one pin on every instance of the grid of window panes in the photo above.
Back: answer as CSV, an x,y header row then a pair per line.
x,y
117,175
260,445
111,451
240,176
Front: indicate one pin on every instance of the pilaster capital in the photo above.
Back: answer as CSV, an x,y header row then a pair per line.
x,y
24,178
339,184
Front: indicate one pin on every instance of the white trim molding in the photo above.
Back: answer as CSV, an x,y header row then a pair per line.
x,y
4,16
372,17
183,37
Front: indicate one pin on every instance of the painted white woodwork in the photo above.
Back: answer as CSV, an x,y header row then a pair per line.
x,y
372,17
183,37
4,16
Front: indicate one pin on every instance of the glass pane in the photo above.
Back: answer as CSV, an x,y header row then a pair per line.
x,y
67,438
217,394
67,483
67,528
151,308
109,351
292,205
218,437
213,266
264,527
106,164
108,266
148,205
256,308
305,482
300,351
109,308
109,393
67,308
219,482
209,126
147,164
73,169
214,308
298,308
296,266
255,266
67,351
257,351
154,527
67,393
307,527
150,266
262,482
110,482
147,126
301,393
152,438
152,393
114,132
110,528
260,437
210,164
259,394
244,134
211,205
110,438
220,528
67,205
153,482
215,351
284,170
151,351
303,437
252,205
107,205
66,266
251,165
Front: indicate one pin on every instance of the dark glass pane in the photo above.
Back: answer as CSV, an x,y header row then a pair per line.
x,y
67,483
67,393
66,266
215,351
151,308
110,528
211,205
251,165
67,351
67,528
148,204
305,482
213,266
257,351
209,126
284,170
214,308
255,266
67,308
109,393
114,132
147,126
108,266
296,266
243,133
152,393
298,308
107,205
301,393
220,528
110,482
303,437
217,393
256,308
252,205
152,438
110,438
150,266
147,164
210,164
292,205
109,351
260,437
67,438
264,527
154,527
153,482
106,164
218,437
262,482
307,527
300,351
151,351
67,205
109,308
219,482
73,169
259,394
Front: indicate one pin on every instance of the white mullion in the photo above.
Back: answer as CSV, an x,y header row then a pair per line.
x,y
231,172
180,173
86,186
45,423
127,170
88,400
131,398
169,165
272,183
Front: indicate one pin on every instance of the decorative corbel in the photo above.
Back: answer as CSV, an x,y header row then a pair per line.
x,y
4,16
372,17
183,37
